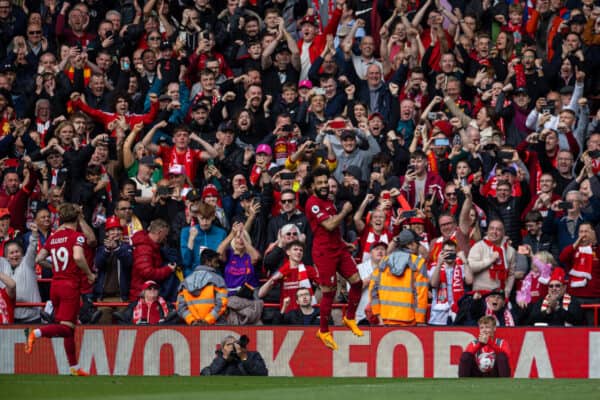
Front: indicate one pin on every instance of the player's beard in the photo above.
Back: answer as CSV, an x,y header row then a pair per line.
x,y
322,193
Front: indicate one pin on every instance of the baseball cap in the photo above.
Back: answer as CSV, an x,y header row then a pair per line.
x,y
509,170
378,244
199,105
112,222
407,236
193,195
347,133
226,126
375,115
354,171
578,19
264,148
149,284
416,220
497,292
176,169
309,19
4,213
566,90
521,90
305,84
149,161
247,195
164,97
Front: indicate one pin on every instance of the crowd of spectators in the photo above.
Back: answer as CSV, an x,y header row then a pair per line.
x,y
464,134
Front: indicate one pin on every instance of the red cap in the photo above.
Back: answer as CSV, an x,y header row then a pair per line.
x,y
558,274
309,19
148,284
444,126
416,221
112,222
376,114
379,243
4,212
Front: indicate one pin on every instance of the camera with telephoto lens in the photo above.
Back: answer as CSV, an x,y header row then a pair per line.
x,y
243,342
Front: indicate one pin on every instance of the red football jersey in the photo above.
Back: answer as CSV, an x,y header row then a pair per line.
x,y
189,159
318,210
60,245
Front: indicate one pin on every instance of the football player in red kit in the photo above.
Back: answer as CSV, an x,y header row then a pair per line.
x,y
330,255
488,356
66,249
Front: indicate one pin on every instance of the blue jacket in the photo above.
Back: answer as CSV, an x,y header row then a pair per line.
x,y
210,239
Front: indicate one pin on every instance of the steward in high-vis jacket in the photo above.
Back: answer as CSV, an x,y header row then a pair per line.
x,y
202,295
399,285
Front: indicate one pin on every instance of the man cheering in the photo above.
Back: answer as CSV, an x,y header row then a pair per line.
x,y
330,255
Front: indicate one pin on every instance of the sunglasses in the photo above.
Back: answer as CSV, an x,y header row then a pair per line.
x,y
555,286
35,32
451,194
287,201
291,234
154,38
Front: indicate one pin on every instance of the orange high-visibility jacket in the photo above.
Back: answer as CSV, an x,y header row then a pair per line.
x,y
203,296
398,289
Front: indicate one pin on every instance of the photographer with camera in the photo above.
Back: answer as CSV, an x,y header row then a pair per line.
x,y
234,358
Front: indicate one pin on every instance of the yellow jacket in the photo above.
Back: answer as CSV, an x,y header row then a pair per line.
x,y
398,289
203,297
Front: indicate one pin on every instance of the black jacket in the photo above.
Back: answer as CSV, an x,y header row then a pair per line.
x,y
572,315
295,317
254,365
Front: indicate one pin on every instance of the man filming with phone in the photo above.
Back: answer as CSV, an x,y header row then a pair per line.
x,y
234,358
564,218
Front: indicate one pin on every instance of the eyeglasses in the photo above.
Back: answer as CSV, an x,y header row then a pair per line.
x,y
291,234
35,32
154,38
555,286
287,201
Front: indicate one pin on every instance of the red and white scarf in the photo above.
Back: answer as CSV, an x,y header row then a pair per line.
x,y
581,271
506,314
138,310
498,270
108,185
566,301
42,128
304,282
458,288
188,161
436,248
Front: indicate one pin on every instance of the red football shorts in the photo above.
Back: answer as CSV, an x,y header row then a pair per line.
x,y
65,298
329,262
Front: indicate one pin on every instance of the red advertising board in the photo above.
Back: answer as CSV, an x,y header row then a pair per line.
x,y
295,351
